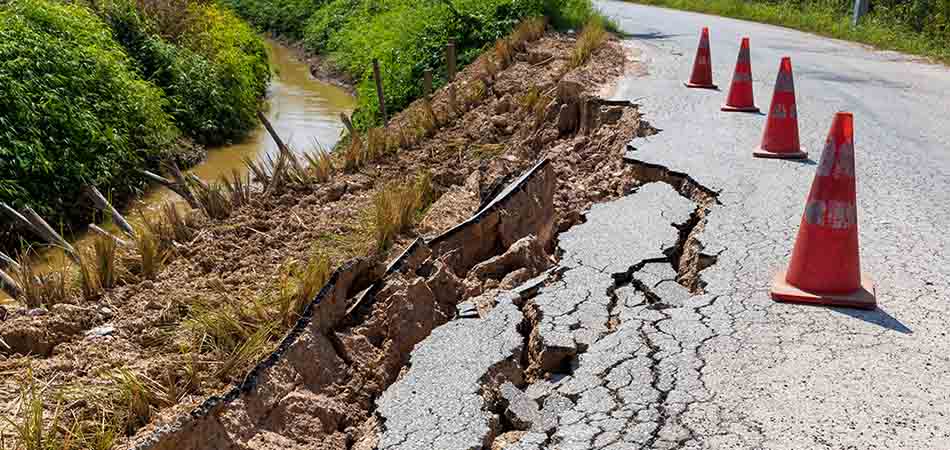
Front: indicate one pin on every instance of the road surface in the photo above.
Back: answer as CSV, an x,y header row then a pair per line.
x,y
781,376
632,360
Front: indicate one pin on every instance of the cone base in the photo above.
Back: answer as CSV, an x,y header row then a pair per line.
x,y
750,109
864,298
762,153
700,86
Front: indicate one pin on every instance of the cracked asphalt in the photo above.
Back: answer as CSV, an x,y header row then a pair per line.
x,y
630,359
756,374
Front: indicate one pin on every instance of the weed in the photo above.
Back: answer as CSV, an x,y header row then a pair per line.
x,y
239,188
259,170
178,228
530,99
353,154
320,163
151,256
247,353
591,38
376,143
212,199
503,53
34,428
529,30
107,271
300,285
138,398
39,289
396,205
88,282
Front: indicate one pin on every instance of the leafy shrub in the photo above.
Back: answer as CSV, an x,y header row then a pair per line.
x,y
211,66
73,108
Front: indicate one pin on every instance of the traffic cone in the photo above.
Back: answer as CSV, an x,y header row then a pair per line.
x,y
740,93
702,66
780,139
825,267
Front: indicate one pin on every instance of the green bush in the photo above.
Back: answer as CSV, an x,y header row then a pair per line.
x,y
213,78
73,110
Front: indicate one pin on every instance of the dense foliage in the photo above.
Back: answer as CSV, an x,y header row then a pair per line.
x,y
91,93
407,36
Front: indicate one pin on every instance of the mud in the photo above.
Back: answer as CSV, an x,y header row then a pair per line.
x,y
318,388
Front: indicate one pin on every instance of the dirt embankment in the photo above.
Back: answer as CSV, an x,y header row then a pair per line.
x,y
537,108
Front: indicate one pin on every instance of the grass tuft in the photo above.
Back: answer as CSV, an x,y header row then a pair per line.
x,y
40,289
212,199
591,38
106,267
397,205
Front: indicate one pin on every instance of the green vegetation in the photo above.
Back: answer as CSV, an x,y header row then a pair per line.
x,y
920,27
94,91
407,36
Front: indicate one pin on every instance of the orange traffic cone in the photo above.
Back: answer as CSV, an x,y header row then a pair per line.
x,y
740,93
780,139
702,66
825,267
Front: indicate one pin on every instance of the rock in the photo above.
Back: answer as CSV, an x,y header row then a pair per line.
x,y
567,118
611,115
499,121
334,191
521,410
106,312
104,330
504,105
536,57
569,91
515,279
527,253
507,440
37,312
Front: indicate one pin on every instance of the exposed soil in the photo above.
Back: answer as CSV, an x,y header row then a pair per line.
x,y
73,350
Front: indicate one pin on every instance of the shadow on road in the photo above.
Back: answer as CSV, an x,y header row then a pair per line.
x,y
650,36
877,317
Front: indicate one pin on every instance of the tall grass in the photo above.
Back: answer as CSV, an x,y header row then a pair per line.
x,y
40,289
591,38
920,27
396,207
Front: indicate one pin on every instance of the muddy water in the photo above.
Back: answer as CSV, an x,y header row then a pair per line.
x,y
304,111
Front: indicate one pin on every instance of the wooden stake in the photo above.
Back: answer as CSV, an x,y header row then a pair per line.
x,y
179,186
103,205
41,228
450,60
95,228
427,83
379,91
10,286
348,123
273,133
9,261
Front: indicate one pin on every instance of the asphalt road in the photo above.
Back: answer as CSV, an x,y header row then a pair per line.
x,y
780,376
632,360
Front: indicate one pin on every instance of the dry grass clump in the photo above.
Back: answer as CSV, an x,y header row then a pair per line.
x,y
353,154
39,289
320,164
591,38
106,262
529,30
504,53
212,199
397,206
239,186
299,285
